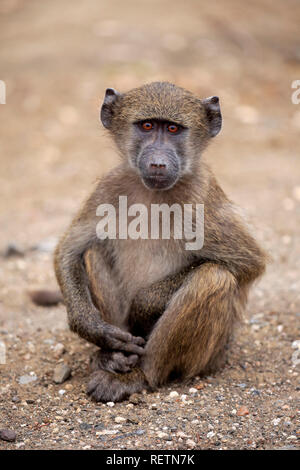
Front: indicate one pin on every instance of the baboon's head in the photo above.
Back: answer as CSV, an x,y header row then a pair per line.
x,y
161,129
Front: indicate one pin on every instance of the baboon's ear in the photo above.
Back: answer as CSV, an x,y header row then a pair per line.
x,y
106,113
214,116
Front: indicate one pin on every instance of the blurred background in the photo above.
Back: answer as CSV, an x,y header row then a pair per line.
x,y
57,58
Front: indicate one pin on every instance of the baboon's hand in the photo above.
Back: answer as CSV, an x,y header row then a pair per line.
x,y
113,337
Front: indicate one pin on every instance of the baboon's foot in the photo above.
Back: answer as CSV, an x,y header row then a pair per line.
x,y
108,386
112,361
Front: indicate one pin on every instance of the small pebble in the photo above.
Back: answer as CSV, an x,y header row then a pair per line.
x,y
190,443
119,419
31,348
296,357
45,298
7,435
99,427
174,394
58,350
110,404
27,379
20,444
85,426
241,385
107,432
162,435
296,344
153,406
135,399
2,353
181,434
192,391
61,373
199,386
242,411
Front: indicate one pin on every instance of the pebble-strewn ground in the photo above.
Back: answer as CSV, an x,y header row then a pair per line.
x,y
57,58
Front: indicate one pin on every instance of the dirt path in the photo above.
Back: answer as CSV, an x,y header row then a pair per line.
x,y
56,59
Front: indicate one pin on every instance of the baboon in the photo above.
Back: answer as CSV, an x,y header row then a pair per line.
x,y
156,310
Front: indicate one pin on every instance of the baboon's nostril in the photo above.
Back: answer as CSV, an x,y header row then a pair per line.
x,y
156,165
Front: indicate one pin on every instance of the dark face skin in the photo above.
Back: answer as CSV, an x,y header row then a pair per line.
x,y
159,148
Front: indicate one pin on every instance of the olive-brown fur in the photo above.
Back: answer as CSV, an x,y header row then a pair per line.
x,y
156,310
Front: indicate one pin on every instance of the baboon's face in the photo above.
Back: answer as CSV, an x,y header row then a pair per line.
x,y
157,152
161,130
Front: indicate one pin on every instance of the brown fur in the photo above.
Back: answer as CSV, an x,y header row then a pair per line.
x,y
119,293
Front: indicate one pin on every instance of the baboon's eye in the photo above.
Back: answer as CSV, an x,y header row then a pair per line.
x,y
173,128
147,126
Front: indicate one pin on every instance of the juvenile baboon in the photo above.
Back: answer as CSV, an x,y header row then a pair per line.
x,y
156,310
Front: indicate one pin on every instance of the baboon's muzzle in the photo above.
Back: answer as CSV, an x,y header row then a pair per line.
x,y
159,168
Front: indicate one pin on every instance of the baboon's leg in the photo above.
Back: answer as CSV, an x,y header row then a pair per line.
x,y
102,286
192,333
108,299
151,302
146,308
188,339
111,386
112,361
115,376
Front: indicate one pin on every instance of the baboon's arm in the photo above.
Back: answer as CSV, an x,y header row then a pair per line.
x,y
229,243
84,318
227,240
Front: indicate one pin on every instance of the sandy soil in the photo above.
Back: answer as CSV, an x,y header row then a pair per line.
x,y
57,58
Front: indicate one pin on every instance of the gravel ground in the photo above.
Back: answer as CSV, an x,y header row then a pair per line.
x,y
56,59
